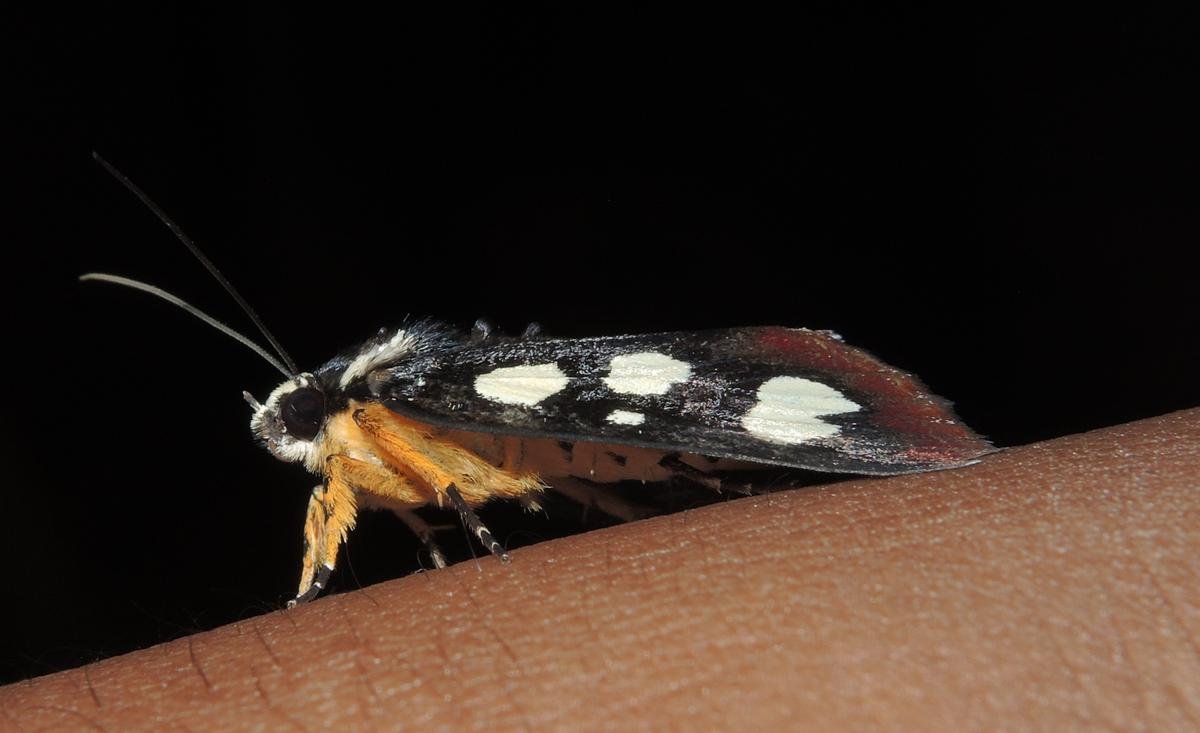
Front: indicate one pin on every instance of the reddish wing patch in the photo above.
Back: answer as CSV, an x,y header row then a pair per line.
x,y
898,401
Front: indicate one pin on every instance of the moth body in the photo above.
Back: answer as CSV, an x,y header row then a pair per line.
x,y
423,415
427,414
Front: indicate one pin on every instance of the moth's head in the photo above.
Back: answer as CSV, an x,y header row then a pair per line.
x,y
289,423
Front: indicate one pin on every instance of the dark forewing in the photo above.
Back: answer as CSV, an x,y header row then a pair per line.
x,y
780,396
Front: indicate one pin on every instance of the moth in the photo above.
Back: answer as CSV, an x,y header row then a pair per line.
x,y
427,414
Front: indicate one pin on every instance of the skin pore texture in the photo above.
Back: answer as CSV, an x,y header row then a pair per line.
x,y
1054,586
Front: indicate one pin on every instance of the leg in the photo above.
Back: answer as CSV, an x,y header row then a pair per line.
x,y
530,504
589,494
471,519
438,463
314,532
673,463
332,511
315,589
425,533
451,471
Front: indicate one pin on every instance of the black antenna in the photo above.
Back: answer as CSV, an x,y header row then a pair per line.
x,y
208,265
174,300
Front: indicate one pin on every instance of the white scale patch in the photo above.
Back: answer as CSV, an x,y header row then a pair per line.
x,y
374,356
625,417
526,385
646,373
789,410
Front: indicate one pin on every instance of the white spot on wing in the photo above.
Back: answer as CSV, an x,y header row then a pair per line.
x,y
625,417
527,384
646,373
789,410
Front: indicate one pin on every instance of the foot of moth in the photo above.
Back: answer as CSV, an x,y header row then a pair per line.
x,y
477,527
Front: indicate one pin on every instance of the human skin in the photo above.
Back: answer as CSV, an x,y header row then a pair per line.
x,y
1054,586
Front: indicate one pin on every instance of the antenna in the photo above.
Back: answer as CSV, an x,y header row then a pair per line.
x,y
173,300
208,265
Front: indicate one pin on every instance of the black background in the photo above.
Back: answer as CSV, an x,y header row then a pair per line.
x,y
1005,206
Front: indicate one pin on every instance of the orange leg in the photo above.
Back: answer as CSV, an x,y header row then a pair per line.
x,y
314,543
333,509
331,514
453,472
440,463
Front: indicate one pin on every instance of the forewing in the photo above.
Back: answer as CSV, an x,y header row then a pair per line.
x,y
780,396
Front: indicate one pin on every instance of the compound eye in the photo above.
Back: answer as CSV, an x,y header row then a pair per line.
x,y
302,412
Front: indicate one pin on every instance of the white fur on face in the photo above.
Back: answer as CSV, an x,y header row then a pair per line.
x,y
265,424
